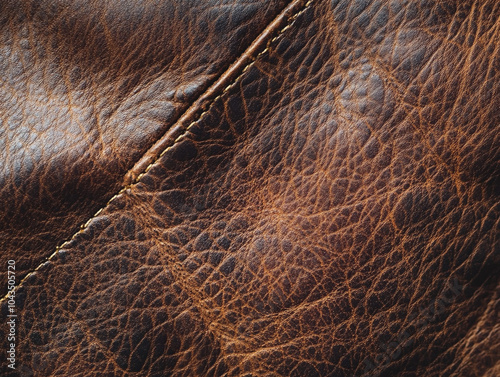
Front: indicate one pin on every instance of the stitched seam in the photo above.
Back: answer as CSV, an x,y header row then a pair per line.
x,y
206,100
226,89
198,118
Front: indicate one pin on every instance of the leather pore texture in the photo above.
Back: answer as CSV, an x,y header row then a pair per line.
x,y
251,188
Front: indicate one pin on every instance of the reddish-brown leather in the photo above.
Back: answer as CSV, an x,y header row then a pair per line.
x,y
332,211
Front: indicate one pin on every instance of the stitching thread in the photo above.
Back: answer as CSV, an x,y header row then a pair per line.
x,y
226,89
127,187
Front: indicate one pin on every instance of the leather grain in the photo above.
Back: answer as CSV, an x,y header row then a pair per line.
x,y
86,87
334,211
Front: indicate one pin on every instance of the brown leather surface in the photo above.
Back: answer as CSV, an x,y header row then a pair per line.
x,y
86,87
332,212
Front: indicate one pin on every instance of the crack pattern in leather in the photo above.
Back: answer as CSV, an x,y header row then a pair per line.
x,y
86,88
340,198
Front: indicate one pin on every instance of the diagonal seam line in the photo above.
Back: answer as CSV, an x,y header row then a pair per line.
x,y
201,105
193,114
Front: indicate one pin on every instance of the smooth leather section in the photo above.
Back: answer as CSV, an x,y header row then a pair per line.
x,y
86,88
335,212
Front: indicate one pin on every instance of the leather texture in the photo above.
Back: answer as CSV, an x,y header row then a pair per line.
x,y
331,210
86,88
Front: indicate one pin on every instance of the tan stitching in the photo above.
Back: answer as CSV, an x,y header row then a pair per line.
x,y
226,89
290,20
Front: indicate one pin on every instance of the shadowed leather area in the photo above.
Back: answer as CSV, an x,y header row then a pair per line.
x,y
334,212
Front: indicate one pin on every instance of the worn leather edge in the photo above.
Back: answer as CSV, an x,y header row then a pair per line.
x,y
194,113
